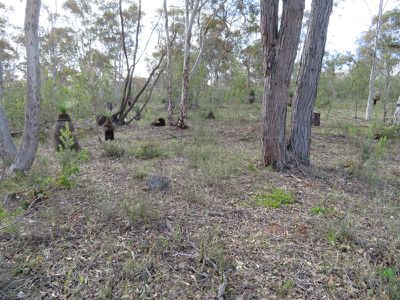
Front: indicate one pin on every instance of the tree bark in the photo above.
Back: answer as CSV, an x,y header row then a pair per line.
x,y
169,70
396,115
30,136
307,80
372,77
186,61
279,53
7,147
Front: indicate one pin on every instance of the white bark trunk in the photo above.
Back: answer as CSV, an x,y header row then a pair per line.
x,y
372,77
7,147
30,137
186,60
396,116
169,70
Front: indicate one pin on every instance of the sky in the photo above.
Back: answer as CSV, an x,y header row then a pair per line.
x,y
348,20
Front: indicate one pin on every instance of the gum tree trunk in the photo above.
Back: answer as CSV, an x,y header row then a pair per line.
x,y
169,70
189,20
279,52
30,136
7,147
307,80
372,76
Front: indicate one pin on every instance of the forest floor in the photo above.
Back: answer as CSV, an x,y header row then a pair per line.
x,y
225,228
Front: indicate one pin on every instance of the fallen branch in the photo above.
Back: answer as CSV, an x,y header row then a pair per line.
x,y
27,212
222,287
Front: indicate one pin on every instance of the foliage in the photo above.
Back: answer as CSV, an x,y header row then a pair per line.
x,y
149,150
274,199
69,160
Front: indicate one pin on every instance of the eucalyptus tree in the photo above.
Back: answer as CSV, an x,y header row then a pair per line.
x,y
387,53
7,147
307,80
30,137
280,39
368,111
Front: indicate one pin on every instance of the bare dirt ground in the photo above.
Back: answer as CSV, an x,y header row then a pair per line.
x,y
208,236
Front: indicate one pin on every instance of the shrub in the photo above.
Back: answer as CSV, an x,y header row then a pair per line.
x,y
112,150
148,151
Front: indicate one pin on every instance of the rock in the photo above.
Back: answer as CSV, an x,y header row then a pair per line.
x,y
157,182
21,295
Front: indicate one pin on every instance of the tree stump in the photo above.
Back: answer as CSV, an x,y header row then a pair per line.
x,y
316,119
251,98
108,131
64,121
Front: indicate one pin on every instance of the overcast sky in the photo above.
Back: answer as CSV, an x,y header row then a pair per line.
x,y
349,19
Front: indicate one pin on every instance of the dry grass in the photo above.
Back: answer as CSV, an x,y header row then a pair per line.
x,y
110,238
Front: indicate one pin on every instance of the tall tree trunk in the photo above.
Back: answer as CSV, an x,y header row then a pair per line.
x,y
169,70
387,88
189,20
307,80
30,136
279,53
7,147
372,76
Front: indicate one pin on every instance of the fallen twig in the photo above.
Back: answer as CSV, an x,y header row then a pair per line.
x,y
29,209
222,287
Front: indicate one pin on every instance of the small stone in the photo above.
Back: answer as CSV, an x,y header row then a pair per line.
x,y
157,182
21,295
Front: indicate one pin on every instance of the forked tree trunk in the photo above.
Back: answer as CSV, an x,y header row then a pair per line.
x,y
307,80
189,20
30,136
279,52
372,76
169,70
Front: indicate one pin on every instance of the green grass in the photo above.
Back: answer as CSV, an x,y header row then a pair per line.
x,y
320,209
112,149
275,199
147,151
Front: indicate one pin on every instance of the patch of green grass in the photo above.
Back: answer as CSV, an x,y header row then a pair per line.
x,y
320,209
387,273
143,211
285,287
112,149
139,174
147,151
275,199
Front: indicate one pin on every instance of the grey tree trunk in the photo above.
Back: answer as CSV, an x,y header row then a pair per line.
x,y
189,20
30,136
279,53
169,70
372,76
7,147
307,80
396,115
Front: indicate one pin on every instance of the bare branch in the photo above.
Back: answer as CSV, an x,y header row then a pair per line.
x,y
123,36
148,96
